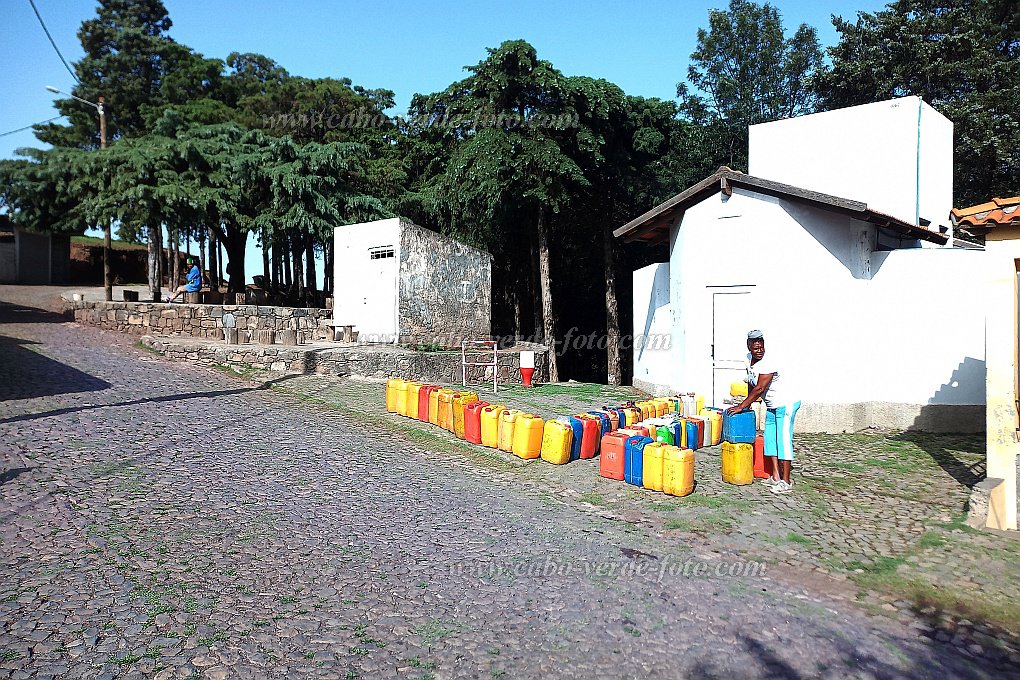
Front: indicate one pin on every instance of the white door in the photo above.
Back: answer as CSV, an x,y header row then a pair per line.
x,y
733,315
378,322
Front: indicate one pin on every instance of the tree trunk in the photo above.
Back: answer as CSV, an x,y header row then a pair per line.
x,y
265,261
236,242
213,262
549,325
152,270
533,279
203,259
299,273
613,372
287,278
277,259
311,278
175,264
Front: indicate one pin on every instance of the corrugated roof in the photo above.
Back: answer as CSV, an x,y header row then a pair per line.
x,y
978,219
653,226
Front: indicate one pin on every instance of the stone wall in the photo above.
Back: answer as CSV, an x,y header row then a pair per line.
x,y
200,321
445,291
362,361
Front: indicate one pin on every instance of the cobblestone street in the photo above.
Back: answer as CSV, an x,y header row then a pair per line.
x,y
161,519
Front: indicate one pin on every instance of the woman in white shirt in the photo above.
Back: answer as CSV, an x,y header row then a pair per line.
x,y
763,379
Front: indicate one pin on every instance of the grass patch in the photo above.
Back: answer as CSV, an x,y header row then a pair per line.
x,y
434,631
794,537
415,662
943,599
125,660
594,498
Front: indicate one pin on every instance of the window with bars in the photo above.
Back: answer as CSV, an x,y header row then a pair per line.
x,y
380,253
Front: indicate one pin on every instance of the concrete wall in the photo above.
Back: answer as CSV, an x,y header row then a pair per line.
x,y
1000,298
896,156
653,320
445,291
199,321
864,338
378,361
8,261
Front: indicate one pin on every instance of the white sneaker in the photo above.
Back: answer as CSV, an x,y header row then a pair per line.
x,y
782,487
768,481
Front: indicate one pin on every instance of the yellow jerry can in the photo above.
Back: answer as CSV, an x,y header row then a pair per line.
x,y
446,408
651,466
738,389
459,402
557,439
677,471
737,463
507,421
490,425
528,431
393,385
412,399
434,406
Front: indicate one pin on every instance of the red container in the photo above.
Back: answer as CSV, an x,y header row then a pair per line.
x,y
423,401
591,434
473,421
611,462
762,464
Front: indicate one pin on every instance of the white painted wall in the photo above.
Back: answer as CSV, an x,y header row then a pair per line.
x,y
653,346
896,156
848,325
359,297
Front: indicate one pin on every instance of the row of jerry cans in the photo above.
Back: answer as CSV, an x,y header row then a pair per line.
x,y
639,460
691,432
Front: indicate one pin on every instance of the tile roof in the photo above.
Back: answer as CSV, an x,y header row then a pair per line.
x,y
998,212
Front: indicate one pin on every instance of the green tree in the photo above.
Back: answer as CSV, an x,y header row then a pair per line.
x,y
132,62
511,172
962,57
746,71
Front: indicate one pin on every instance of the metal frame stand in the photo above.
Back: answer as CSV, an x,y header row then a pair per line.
x,y
483,347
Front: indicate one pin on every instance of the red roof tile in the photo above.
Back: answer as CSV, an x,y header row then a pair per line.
x,y
998,212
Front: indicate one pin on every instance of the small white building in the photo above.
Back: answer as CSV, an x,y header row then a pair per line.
x,y
838,247
395,280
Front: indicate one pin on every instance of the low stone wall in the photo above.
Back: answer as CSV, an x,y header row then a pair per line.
x,y
362,361
200,321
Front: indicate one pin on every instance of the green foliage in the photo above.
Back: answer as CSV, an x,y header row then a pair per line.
x,y
962,57
746,71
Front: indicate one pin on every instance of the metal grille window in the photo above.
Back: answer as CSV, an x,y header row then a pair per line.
x,y
380,253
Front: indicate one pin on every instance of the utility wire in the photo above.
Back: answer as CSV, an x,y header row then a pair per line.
x,y
29,127
52,42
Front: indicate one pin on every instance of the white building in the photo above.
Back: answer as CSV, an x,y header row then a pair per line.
x,y
396,280
820,247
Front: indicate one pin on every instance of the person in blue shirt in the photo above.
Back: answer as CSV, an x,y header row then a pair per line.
x,y
193,280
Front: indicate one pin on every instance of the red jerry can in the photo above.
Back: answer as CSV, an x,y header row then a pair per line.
x,y
592,432
473,421
423,401
762,465
611,462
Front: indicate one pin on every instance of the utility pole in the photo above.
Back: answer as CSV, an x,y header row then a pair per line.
x,y
107,236
99,106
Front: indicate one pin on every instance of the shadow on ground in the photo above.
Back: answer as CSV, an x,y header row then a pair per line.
x,y
943,449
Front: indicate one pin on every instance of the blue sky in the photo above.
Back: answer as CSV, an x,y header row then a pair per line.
x,y
407,47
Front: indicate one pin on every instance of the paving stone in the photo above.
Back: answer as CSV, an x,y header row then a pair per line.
x,y
219,528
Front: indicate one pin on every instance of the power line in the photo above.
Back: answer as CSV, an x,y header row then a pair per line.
x,y
29,127
52,42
